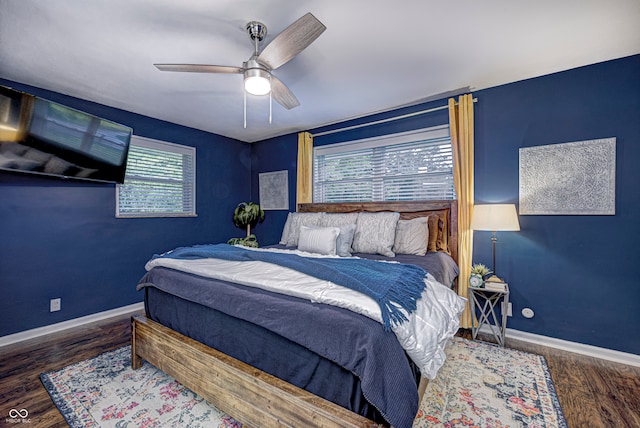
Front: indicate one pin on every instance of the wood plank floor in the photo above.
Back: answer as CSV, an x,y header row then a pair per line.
x,y
592,392
22,363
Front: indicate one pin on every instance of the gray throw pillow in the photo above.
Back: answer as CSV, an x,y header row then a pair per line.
x,y
376,233
345,240
412,236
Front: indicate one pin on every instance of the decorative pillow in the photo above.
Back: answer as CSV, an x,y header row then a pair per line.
x,y
434,220
412,236
285,230
321,240
442,243
375,233
300,219
347,224
340,219
438,234
345,240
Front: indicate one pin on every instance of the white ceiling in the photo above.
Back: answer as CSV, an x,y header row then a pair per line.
x,y
374,55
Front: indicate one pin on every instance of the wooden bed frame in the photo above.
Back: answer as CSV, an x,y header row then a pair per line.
x,y
252,396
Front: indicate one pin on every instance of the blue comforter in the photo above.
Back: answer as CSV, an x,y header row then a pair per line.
x,y
393,286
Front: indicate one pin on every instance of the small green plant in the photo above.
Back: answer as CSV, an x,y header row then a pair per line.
x,y
480,269
245,216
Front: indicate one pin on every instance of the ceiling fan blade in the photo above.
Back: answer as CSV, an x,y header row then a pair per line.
x,y
199,68
282,94
293,40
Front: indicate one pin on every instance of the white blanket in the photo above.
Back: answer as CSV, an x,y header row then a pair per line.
x,y
424,336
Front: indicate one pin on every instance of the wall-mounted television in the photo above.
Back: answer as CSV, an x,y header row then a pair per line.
x,y
43,137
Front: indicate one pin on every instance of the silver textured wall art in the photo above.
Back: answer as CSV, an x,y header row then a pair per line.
x,y
577,178
274,190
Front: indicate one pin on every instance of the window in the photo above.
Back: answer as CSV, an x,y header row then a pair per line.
x,y
159,182
414,165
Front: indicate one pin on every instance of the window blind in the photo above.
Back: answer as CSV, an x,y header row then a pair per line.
x,y
159,182
416,165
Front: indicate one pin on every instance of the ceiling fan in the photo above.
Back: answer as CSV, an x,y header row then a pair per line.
x,y
257,70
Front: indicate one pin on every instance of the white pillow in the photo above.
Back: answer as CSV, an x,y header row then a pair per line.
x,y
285,230
412,236
376,233
321,240
297,220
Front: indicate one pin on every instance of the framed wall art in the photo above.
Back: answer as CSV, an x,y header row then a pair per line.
x,y
577,178
274,190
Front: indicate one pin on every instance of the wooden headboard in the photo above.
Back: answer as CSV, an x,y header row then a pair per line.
x,y
446,209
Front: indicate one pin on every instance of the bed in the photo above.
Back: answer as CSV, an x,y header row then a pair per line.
x,y
249,351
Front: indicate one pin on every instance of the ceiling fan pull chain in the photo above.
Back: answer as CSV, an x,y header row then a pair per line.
x,y
257,39
245,108
270,100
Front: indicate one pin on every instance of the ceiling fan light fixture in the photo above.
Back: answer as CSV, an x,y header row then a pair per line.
x,y
257,81
258,68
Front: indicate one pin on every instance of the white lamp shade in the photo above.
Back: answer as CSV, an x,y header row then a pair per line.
x,y
495,217
256,82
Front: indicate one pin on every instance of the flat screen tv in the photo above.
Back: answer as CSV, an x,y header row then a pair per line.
x,y
43,137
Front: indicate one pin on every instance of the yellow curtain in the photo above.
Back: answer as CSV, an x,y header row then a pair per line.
x,y
304,188
461,128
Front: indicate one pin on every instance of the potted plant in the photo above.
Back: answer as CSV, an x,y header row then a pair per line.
x,y
245,216
478,273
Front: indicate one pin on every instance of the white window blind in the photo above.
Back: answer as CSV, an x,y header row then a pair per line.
x,y
416,165
159,182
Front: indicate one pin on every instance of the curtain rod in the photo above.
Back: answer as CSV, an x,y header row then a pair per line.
x,y
377,122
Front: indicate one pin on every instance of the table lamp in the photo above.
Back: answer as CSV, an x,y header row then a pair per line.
x,y
495,217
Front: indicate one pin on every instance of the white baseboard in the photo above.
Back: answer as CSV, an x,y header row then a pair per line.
x,y
565,345
48,329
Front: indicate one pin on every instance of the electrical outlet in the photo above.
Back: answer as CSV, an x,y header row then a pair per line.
x,y
509,309
528,313
54,304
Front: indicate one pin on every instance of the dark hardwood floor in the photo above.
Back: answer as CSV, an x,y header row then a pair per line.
x,y
592,392
22,363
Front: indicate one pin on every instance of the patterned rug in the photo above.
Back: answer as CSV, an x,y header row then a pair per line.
x,y
483,385
106,392
480,385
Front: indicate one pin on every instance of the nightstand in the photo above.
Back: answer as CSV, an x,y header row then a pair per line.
x,y
486,301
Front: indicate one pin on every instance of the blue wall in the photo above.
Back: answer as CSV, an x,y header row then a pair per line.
x,y
60,238
275,154
576,272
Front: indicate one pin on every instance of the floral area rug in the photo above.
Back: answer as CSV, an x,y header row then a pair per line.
x,y
106,392
480,385
483,385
